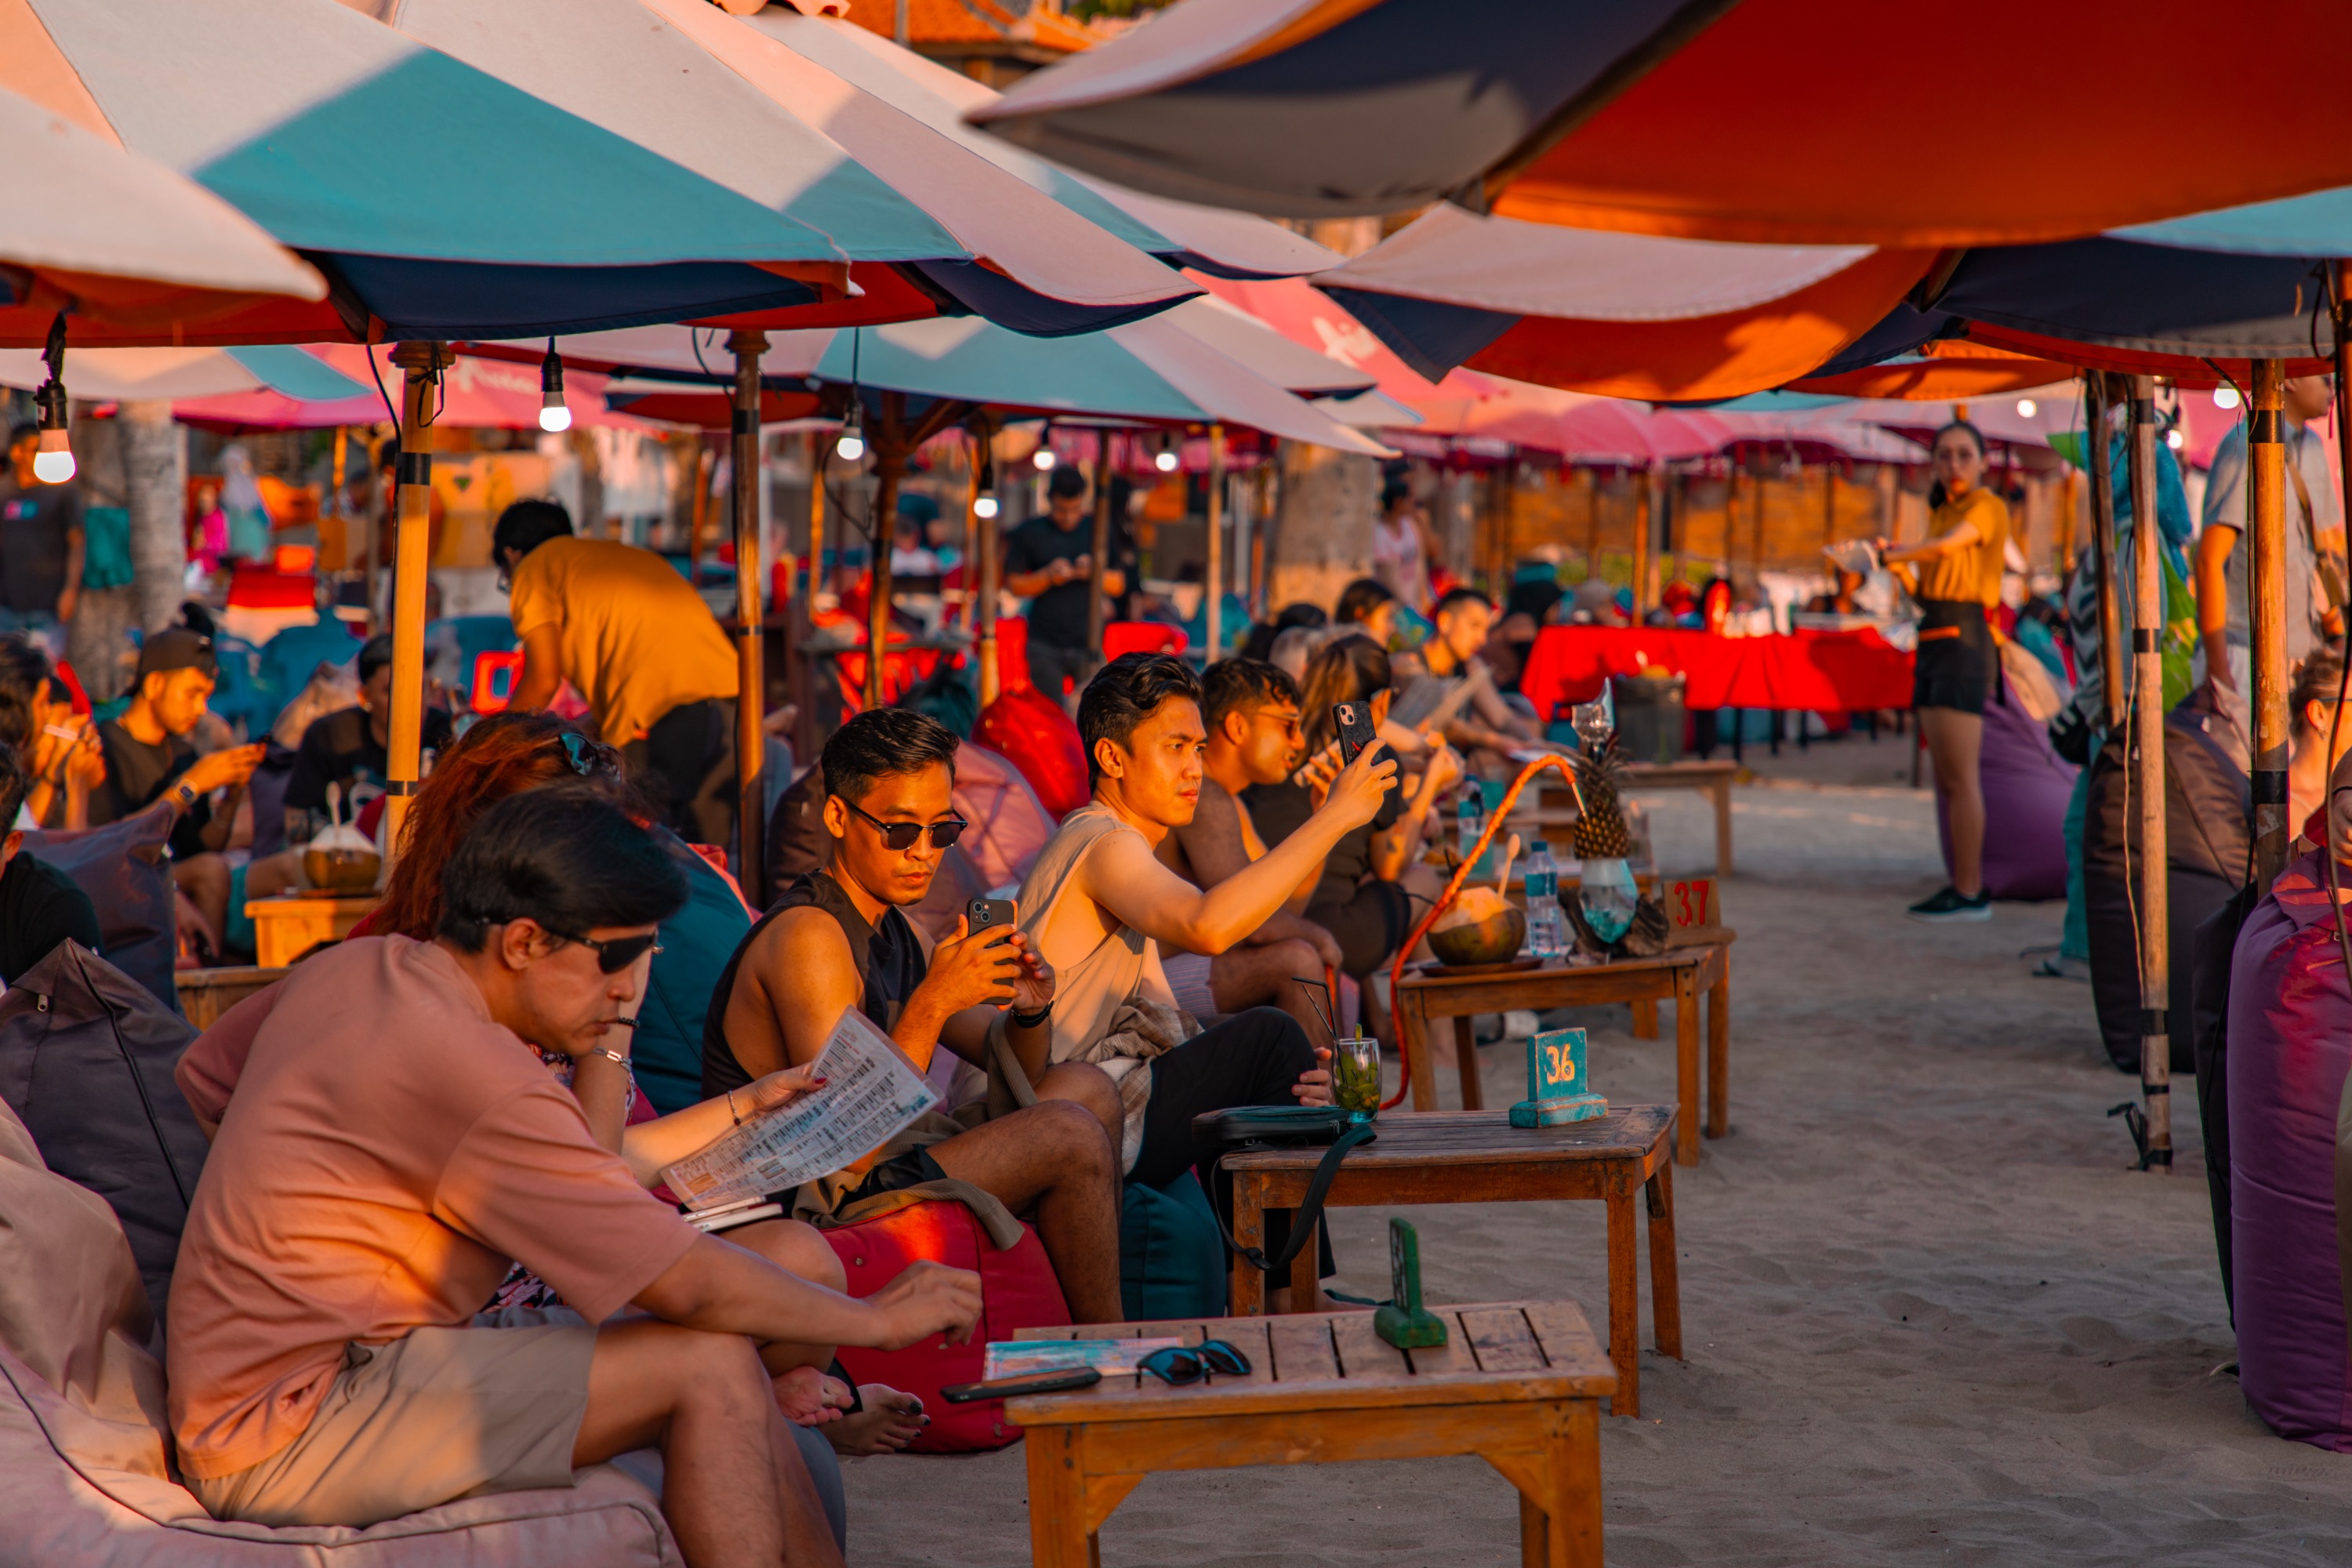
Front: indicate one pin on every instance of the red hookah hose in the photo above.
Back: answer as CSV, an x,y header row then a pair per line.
x,y
1445,901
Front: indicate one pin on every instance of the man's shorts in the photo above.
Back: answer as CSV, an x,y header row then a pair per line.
x,y
440,1414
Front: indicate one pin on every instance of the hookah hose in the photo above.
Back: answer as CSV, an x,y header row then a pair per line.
x,y
1446,901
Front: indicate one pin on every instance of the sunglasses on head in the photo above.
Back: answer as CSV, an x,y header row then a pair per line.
x,y
615,954
902,835
1179,1366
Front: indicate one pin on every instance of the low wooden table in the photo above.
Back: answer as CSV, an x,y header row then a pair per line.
x,y
1478,1157
287,925
1517,1383
1679,976
206,993
1710,779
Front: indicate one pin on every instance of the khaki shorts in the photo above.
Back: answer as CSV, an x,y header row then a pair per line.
x,y
443,1413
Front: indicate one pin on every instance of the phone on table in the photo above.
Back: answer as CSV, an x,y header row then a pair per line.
x,y
982,914
1357,731
1028,1382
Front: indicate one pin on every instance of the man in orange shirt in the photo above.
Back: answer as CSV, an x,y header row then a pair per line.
x,y
394,1145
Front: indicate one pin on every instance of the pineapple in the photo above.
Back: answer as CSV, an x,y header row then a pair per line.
x,y
1601,831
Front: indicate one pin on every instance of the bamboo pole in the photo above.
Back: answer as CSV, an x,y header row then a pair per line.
x,y
991,549
2102,551
1641,546
1829,504
698,522
2147,783
751,624
335,503
1215,570
422,363
2266,611
970,560
1587,481
890,457
804,619
1098,601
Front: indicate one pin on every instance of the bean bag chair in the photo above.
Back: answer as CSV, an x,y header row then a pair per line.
x,y
695,944
2290,1031
121,867
1171,1256
2207,810
2026,788
1018,1290
2211,949
1009,824
1031,730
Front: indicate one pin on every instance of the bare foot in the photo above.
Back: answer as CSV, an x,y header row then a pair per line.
x,y
808,1397
889,1422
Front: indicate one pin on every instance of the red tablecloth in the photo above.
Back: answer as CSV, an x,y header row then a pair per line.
x,y
1821,672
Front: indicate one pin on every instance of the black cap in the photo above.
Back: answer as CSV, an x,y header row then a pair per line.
x,y
177,647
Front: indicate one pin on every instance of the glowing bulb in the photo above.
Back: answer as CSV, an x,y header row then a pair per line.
x,y
851,446
1044,459
2175,439
1165,462
2025,406
554,414
984,507
53,464
2225,397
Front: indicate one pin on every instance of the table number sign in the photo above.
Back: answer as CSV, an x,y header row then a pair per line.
x,y
1694,914
1403,1322
1558,1092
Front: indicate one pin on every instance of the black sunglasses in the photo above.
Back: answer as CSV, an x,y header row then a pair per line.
x,y
902,835
615,954
1179,1366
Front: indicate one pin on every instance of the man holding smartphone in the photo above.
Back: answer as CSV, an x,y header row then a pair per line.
x,y
836,940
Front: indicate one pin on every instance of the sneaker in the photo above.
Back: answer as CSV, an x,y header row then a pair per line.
x,y
1951,905
1519,1024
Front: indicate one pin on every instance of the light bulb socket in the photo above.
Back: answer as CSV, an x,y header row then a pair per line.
x,y
555,412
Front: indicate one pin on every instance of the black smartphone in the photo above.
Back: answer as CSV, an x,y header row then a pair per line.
x,y
982,914
1354,721
1028,1382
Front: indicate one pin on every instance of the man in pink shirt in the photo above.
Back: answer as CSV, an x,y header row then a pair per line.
x,y
394,1145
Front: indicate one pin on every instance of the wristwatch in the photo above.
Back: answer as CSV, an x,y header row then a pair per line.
x,y
186,795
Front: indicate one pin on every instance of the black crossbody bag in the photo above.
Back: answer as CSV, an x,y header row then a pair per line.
x,y
1217,1134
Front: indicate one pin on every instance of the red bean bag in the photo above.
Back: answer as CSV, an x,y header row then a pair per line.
x,y
1029,728
2290,1033
1018,1290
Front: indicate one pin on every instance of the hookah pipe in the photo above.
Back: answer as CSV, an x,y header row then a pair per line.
x,y
1452,890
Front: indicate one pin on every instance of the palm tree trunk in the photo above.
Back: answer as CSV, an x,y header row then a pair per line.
x,y
154,476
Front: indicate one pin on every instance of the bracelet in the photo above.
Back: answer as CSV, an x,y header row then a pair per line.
x,y
1031,1020
731,1111
605,1051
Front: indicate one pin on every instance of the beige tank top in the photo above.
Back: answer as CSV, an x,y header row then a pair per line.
x,y
1088,993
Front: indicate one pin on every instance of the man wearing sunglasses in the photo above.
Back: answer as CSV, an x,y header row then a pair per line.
x,y
394,1146
836,940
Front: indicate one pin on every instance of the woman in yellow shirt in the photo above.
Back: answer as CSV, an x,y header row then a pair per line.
x,y
1959,581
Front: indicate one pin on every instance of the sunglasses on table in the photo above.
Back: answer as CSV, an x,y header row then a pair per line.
x,y
1179,1366
902,835
615,954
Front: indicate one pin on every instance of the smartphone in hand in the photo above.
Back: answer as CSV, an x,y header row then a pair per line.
x,y
982,914
1357,731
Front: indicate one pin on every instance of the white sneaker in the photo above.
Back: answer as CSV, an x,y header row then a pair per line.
x,y
1519,1024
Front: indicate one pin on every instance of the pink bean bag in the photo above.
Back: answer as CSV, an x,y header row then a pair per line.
x,y
2026,788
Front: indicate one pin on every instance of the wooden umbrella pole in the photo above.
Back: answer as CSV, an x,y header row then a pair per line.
x,y
2147,782
1098,548
990,548
970,560
750,625
2102,551
2266,611
422,363
890,457
1641,546
1214,572
802,622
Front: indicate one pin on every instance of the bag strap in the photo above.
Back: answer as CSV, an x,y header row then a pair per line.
x,y
1309,1209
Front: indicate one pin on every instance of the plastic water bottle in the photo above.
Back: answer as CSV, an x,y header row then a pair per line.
x,y
1469,820
1547,926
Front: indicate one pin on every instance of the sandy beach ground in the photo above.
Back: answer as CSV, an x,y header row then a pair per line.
x,y
1930,1314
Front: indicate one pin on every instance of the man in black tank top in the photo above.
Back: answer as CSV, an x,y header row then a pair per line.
x,y
836,940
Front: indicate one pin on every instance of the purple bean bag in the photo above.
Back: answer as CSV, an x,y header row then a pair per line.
x,y
2026,788
2290,1042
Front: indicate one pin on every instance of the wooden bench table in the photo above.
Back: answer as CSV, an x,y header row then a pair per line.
x,y
287,925
1711,779
1519,1385
1478,1157
1679,976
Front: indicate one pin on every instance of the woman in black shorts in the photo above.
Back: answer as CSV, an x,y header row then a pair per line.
x,y
1959,582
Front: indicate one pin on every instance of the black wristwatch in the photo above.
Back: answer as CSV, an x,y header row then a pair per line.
x,y
1031,1020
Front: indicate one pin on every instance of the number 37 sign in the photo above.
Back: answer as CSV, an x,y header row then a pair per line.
x,y
1694,916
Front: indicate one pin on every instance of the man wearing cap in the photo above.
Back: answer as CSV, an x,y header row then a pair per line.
x,y
149,758
348,747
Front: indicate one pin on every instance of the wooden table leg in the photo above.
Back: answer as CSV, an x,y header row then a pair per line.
x,y
1718,1054
1723,853
1624,1295
1572,1461
1248,1290
1466,1063
1412,1034
1058,1537
1535,1534
1687,1065
1665,1279
1645,1017
1306,1293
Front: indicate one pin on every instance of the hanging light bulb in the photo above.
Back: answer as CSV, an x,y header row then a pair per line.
x,y
1166,461
851,445
554,414
2175,439
2225,397
53,461
983,499
1044,459
2025,406
983,506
